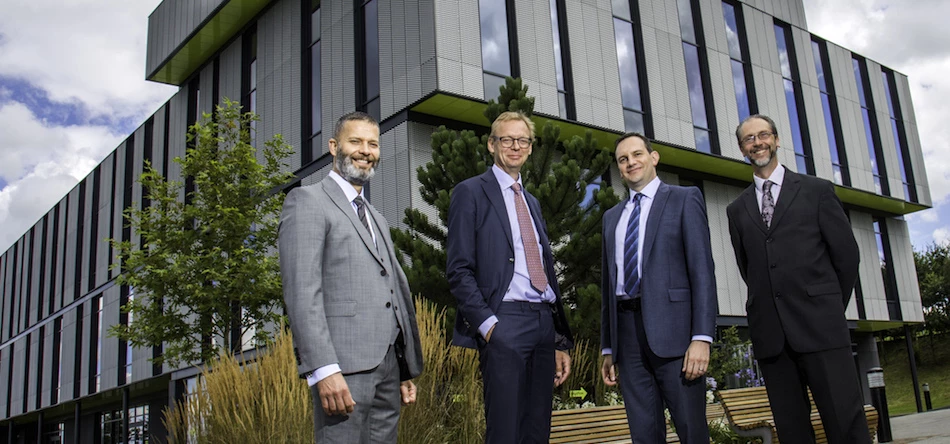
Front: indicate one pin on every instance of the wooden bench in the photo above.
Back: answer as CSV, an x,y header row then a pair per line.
x,y
606,424
750,414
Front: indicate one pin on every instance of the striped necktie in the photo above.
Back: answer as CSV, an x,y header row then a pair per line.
x,y
539,280
631,272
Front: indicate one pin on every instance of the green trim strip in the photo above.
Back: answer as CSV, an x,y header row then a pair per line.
x,y
206,40
470,111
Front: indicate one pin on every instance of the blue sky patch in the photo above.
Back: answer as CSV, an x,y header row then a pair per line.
x,y
37,100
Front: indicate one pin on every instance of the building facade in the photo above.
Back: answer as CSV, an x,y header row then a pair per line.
x,y
683,72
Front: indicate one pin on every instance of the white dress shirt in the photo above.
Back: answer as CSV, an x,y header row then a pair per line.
x,y
777,177
520,288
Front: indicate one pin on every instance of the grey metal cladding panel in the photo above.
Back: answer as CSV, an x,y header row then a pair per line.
x,y
60,249
72,223
278,74
85,342
731,290
36,253
818,135
158,141
386,30
45,371
107,176
16,386
205,90
914,147
5,354
390,185
87,236
805,57
171,23
536,53
229,71
4,299
420,153
713,24
338,47
109,353
905,271
69,343
177,132
118,198
34,370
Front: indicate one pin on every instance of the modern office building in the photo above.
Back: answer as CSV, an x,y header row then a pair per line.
x,y
684,72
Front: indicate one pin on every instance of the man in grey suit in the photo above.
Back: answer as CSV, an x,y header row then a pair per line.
x,y
347,298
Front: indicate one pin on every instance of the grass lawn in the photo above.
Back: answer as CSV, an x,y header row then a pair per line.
x,y
933,367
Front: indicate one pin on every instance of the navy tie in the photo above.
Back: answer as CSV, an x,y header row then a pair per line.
x,y
631,272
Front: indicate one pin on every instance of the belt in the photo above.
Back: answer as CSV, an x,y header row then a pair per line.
x,y
527,306
629,304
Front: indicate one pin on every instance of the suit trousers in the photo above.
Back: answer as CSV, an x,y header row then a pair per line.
x,y
833,379
518,374
647,382
376,416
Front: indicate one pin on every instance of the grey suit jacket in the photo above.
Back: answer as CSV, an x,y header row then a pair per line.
x,y
341,292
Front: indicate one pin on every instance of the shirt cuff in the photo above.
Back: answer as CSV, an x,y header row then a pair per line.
x,y
606,351
703,338
487,325
322,373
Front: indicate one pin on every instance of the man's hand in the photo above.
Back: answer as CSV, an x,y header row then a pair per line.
x,y
608,372
562,367
490,330
335,395
696,359
408,392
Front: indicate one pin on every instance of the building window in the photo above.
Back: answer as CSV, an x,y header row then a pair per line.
x,y
495,24
631,91
900,137
315,88
697,78
369,45
829,106
110,427
57,373
249,103
562,57
738,50
887,269
138,425
870,126
125,350
798,125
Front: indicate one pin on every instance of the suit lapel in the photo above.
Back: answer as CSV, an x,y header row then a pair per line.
x,y
339,199
653,220
790,187
752,206
493,192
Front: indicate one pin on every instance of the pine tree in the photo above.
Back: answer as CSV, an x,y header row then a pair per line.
x,y
563,174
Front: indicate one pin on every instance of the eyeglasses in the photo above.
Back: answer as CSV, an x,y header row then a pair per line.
x,y
764,136
508,142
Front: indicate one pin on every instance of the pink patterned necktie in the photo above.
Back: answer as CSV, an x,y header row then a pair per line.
x,y
535,268
768,204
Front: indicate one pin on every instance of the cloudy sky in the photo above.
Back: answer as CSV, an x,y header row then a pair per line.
x,y
72,88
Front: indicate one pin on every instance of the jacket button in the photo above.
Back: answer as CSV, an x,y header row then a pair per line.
x,y
511,260
382,272
778,295
768,241
772,266
388,304
391,291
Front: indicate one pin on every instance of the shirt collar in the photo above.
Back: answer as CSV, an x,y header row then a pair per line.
x,y
504,179
777,177
347,187
648,191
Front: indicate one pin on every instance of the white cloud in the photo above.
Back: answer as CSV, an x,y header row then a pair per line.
x,y
90,52
50,161
942,236
87,56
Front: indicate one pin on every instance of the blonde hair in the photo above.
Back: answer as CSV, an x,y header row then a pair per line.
x,y
509,116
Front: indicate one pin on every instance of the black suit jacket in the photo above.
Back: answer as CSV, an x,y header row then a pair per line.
x,y
800,271
480,257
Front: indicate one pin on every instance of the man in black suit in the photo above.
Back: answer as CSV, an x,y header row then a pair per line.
x,y
797,254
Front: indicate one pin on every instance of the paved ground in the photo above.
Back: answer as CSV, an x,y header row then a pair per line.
x,y
931,427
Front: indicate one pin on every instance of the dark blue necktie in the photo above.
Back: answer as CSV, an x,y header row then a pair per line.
x,y
631,273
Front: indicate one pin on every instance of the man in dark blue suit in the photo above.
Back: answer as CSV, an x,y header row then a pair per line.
x,y
659,299
501,272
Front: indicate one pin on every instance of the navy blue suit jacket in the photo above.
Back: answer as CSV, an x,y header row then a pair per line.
x,y
480,257
678,281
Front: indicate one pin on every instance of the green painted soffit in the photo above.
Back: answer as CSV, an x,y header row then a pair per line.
x,y
470,111
206,40
874,326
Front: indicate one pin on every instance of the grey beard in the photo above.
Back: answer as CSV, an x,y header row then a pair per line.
x,y
352,174
763,162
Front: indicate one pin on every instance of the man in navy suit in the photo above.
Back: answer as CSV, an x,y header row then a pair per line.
x,y
797,254
659,299
501,272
